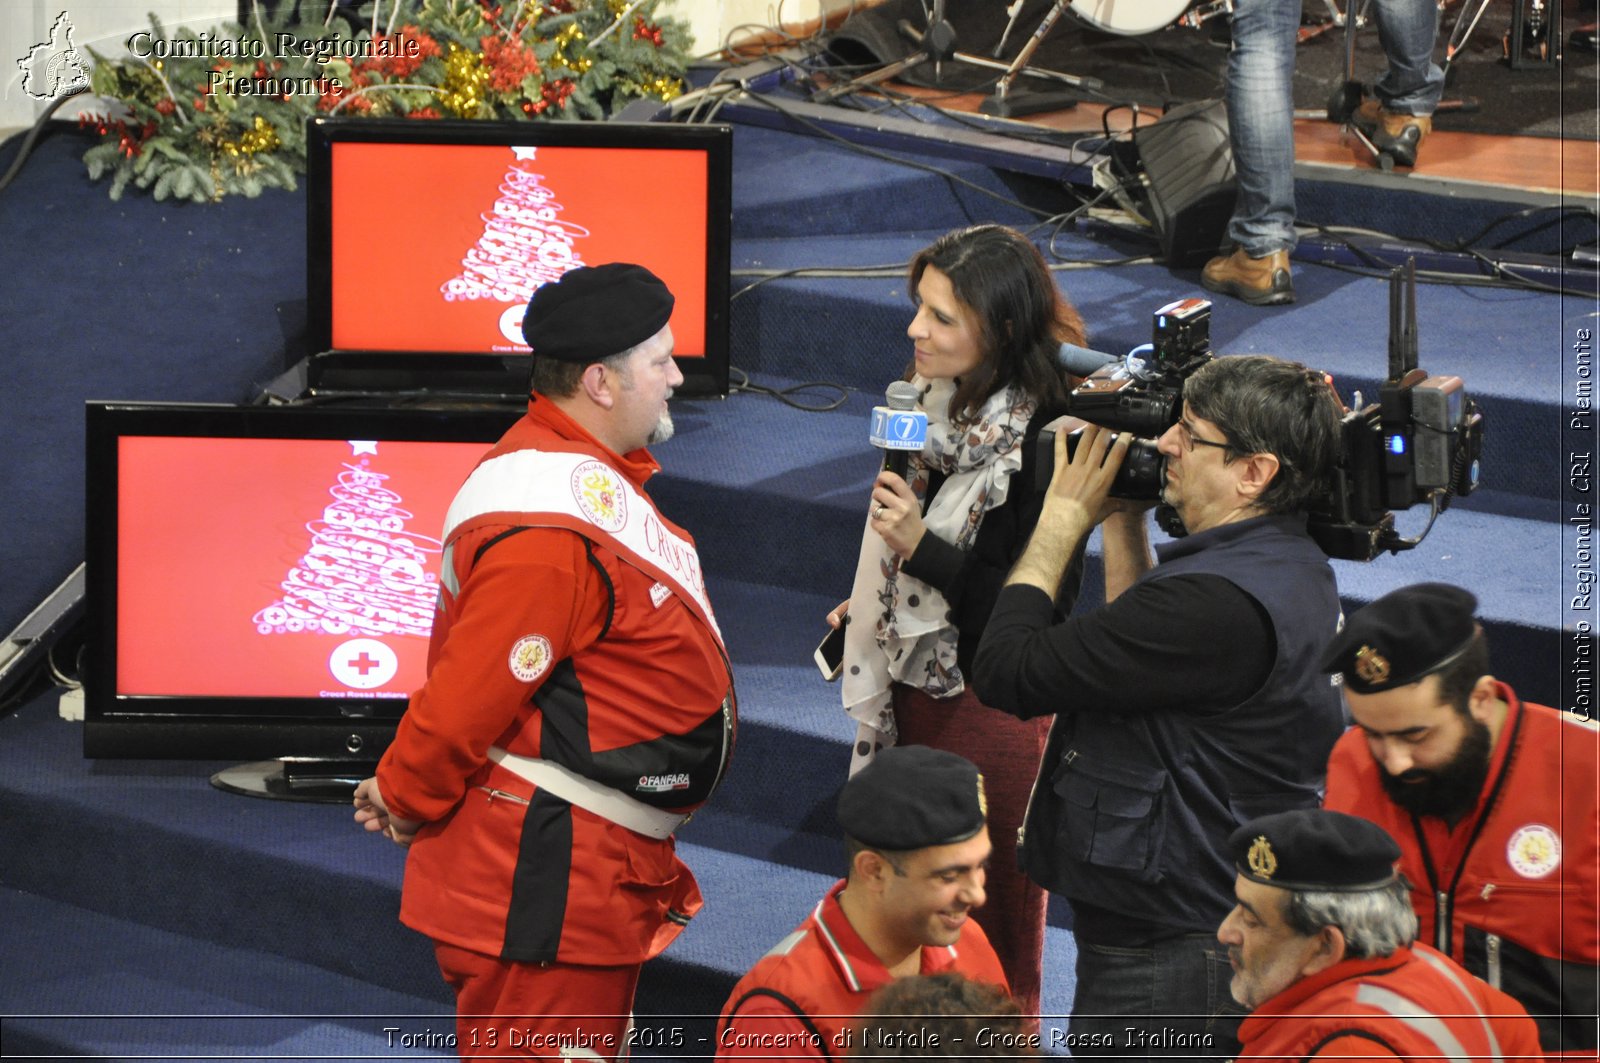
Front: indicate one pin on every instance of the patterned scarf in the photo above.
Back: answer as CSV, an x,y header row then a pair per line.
x,y
900,630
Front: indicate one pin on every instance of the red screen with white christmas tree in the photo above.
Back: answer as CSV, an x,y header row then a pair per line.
x,y
280,567
439,247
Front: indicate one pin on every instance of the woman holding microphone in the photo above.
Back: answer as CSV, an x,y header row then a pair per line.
x,y
936,549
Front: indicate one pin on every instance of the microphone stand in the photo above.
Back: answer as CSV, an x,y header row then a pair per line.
x,y
1087,84
1006,104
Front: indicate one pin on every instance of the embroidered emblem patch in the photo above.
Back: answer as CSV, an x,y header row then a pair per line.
x,y
530,657
1371,666
1534,851
1262,860
599,494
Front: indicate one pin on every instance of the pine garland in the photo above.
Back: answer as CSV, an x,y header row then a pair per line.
x,y
203,116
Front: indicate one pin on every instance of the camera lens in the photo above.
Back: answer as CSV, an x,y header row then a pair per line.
x,y
1141,477
1143,472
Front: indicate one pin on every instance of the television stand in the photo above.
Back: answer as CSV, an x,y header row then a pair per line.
x,y
319,779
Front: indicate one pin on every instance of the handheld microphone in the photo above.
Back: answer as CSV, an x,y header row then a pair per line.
x,y
898,428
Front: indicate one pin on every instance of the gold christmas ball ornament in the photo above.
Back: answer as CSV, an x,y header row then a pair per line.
x,y
261,137
465,78
568,34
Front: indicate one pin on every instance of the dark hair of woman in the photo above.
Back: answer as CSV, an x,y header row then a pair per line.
x,y
1022,317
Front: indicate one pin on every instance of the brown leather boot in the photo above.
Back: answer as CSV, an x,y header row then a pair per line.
x,y
1258,281
1393,133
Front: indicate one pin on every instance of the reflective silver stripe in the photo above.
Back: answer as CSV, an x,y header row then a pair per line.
x,y
1422,1022
605,802
1446,968
585,489
447,571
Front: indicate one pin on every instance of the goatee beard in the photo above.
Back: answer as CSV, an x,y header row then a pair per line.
x,y
1449,791
662,432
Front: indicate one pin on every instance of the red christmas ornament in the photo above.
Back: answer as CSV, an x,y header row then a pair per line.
x,y
555,93
510,62
643,31
166,106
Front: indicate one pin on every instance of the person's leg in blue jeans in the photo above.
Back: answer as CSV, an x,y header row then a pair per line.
x,y
1408,29
1170,1000
1260,100
1399,114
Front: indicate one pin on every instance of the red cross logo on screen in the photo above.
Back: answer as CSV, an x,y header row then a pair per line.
x,y
363,664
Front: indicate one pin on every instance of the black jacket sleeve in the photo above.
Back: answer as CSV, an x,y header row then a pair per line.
x,y
1192,641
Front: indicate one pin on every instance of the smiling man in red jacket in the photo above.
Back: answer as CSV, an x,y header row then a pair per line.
x,y
917,839
1493,802
579,702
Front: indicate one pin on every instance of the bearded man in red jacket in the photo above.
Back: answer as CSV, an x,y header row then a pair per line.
x,y
1492,800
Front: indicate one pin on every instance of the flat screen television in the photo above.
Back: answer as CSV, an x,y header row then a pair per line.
x,y
426,239
262,580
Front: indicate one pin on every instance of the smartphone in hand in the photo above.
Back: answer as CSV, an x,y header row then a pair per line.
x,y
830,652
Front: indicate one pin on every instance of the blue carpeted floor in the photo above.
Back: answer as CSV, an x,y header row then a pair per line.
x,y
132,888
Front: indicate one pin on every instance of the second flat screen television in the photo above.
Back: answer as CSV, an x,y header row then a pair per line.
x,y
426,239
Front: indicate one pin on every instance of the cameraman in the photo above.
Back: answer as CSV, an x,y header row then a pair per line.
x,y
1189,703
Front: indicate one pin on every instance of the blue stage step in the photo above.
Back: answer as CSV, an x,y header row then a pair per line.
x,y
115,988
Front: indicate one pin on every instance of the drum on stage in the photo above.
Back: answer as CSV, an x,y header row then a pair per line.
x,y
1129,17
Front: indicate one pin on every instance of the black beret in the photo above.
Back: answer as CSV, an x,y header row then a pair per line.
x,y
911,797
1315,849
593,312
1402,637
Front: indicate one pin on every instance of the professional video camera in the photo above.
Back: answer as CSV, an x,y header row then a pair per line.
x,y
1420,443
1142,393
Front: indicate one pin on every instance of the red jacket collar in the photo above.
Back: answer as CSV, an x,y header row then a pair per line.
x,y
544,417
1290,999
857,965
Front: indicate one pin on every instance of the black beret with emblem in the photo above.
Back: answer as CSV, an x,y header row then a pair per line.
x,y
911,797
1314,849
1402,637
592,312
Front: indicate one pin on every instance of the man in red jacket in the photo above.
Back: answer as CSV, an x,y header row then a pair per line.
x,y
1321,948
916,833
579,702
1492,800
